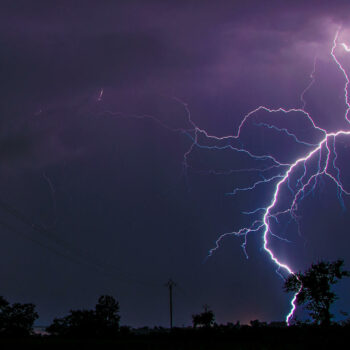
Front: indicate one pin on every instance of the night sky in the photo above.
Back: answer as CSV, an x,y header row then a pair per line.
x,y
99,192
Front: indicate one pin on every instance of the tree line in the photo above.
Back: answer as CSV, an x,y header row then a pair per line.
x,y
313,288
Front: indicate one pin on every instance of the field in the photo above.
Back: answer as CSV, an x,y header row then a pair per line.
x,y
244,338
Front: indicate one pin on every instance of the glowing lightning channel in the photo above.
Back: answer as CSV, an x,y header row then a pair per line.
x,y
346,47
305,183
312,81
99,99
322,152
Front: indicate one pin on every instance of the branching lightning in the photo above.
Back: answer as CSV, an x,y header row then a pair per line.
x,y
346,47
323,153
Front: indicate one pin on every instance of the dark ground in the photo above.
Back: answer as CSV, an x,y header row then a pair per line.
x,y
306,337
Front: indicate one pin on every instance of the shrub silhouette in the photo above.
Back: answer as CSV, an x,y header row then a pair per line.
x,y
204,319
101,322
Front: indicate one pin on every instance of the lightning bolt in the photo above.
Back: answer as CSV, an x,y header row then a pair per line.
x,y
300,176
346,47
324,152
99,99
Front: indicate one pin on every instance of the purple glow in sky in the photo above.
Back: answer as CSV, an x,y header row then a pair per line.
x,y
131,138
306,181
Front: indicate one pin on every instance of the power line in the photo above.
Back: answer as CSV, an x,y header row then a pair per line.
x,y
70,252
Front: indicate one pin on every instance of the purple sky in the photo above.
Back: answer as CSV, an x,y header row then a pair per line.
x,y
118,215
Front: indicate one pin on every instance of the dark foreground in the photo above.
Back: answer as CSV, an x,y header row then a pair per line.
x,y
302,337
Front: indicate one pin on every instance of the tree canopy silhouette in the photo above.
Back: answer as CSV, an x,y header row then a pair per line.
x,y
103,321
204,319
314,288
16,319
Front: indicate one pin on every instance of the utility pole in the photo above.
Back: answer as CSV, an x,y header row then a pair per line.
x,y
170,284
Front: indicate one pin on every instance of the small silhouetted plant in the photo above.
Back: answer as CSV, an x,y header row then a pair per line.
x,y
103,321
204,319
16,319
257,324
314,288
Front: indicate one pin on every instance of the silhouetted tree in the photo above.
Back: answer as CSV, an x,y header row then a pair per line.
x,y
314,288
78,323
4,307
16,319
204,319
103,321
107,315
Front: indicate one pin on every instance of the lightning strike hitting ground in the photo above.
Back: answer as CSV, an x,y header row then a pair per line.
x,y
323,152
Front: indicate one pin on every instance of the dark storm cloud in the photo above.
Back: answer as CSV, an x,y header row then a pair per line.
x,y
78,45
61,49
112,185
